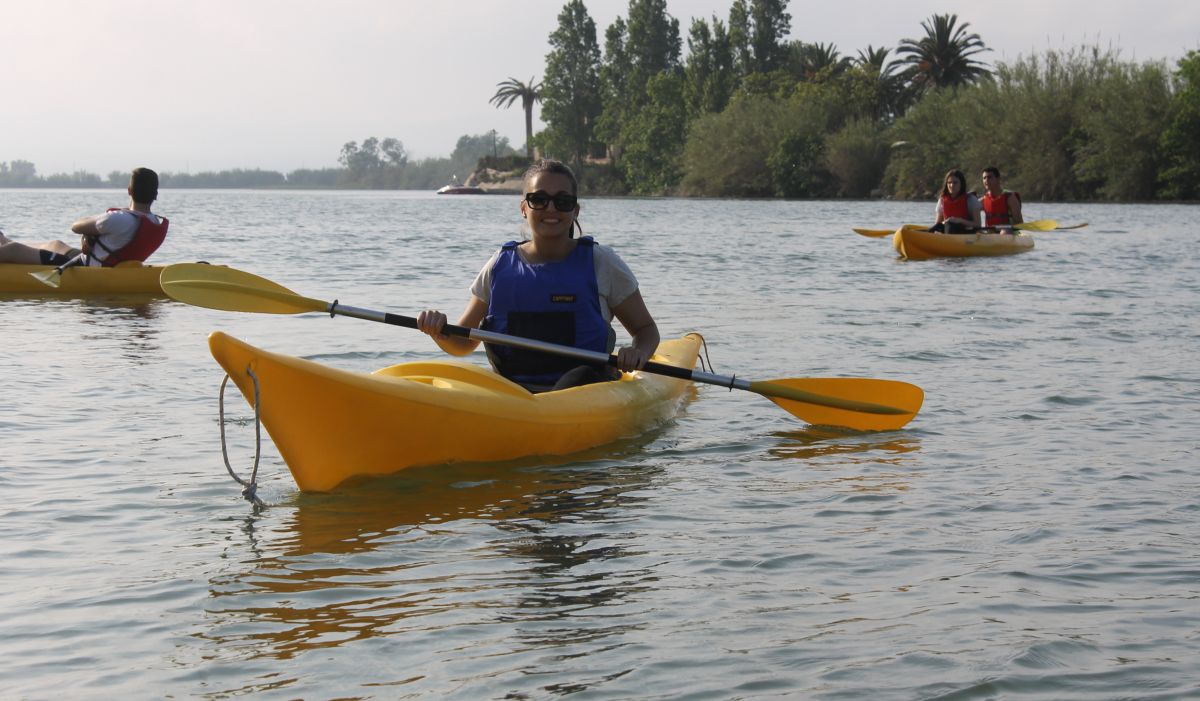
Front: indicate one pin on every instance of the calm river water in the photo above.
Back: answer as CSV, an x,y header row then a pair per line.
x,y
1033,534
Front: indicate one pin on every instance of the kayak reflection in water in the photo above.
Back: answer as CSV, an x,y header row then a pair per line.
x,y
957,210
118,235
556,288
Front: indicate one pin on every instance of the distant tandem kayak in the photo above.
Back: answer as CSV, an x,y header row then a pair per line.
x,y
918,243
127,278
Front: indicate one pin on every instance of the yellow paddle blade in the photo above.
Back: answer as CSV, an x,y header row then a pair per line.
x,y
1073,226
880,233
51,278
866,404
1037,225
231,290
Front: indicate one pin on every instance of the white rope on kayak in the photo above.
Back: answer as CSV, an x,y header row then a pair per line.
x,y
249,489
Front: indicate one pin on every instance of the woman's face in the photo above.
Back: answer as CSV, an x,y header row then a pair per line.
x,y
549,221
953,186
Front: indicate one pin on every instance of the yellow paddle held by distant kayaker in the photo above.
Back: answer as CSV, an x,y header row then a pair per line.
x,y
1036,225
858,403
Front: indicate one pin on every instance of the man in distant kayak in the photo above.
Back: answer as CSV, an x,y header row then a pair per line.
x,y
118,235
1001,208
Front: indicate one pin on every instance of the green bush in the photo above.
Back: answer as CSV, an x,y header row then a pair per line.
x,y
857,157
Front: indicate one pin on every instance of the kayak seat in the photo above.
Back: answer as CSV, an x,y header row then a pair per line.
x,y
443,373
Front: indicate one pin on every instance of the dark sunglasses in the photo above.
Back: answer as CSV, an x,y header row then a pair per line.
x,y
562,202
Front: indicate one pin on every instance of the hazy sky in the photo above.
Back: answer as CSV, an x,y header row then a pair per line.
x,y
192,85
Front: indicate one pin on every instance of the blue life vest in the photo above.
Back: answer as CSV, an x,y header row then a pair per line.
x,y
555,302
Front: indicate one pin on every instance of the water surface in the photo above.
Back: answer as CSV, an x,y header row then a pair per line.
x,y
1031,535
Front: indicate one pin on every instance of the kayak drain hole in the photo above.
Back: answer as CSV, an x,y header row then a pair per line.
x,y
249,488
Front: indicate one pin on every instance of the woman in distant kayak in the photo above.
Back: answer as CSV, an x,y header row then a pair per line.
x,y
1001,208
117,235
556,288
957,210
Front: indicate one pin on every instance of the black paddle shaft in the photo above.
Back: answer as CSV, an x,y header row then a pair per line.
x,y
526,343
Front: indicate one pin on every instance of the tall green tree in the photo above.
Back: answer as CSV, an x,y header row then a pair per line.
x,y
943,57
360,159
1180,179
393,152
653,45
740,38
708,71
571,100
511,90
769,27
653,98
614,86
637,50
655,137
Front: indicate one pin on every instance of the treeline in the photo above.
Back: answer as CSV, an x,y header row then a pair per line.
x,y
373,164
384,164
748,113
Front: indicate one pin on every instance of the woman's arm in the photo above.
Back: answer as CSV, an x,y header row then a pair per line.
x,y
432,322
635,317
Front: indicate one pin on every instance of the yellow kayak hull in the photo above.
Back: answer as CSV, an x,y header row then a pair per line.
x,y
330,425
915,243
127,278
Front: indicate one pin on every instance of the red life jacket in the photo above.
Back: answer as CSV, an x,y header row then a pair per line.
x,y
956,207
146,240
996,208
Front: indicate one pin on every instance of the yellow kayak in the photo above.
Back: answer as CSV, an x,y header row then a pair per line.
x,y
130,277
918,243
330,425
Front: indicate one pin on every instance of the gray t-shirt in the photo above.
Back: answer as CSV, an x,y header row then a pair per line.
x,y
614,279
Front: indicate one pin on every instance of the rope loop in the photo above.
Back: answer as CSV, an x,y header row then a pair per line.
x,y
249,489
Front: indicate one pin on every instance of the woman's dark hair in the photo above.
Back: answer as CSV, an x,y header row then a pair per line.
x,y
143,185
962,182
549,165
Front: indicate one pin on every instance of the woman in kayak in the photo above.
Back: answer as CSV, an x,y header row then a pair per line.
x,y
957,210
117,235
553,287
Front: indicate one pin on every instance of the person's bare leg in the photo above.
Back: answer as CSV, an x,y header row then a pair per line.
x,y
57,247
13,252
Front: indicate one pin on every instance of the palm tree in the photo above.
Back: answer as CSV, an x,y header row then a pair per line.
x,y
529,93
874,61
809,61
942,58
890,94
